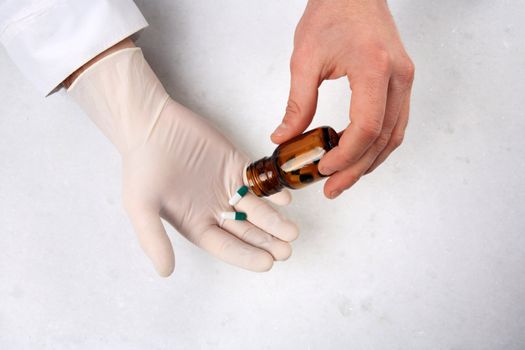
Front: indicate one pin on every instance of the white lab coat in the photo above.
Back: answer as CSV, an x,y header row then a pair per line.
x,y
50,39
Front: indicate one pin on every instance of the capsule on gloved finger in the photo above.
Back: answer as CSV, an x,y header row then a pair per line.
x,y
241,192
233,215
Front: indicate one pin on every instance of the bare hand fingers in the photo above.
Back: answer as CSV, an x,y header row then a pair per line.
x,y
343,180
367,110
397,137
302,101
399,88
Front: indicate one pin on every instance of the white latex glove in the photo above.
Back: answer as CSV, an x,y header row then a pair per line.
x,y
176,166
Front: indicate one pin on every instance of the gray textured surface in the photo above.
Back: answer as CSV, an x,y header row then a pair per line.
x,y
426,253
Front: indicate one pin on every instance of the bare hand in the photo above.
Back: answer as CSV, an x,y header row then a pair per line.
x,y
357,39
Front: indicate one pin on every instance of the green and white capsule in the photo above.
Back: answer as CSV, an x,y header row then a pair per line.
x,y
233,215
241,192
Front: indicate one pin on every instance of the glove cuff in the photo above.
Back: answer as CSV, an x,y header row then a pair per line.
x,y
123,97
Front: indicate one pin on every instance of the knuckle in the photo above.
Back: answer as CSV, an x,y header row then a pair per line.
x,y
346,158
370,129
410,68
247,233
298,62
352,178
225,247
405,73
397,140
293,109
382,140
381,62
294,64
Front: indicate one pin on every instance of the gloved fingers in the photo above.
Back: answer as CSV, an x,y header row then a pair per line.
x,y
253,235
262,215
281,198
153,239
232,250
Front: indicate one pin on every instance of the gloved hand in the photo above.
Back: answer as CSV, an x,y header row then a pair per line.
x,y
176,166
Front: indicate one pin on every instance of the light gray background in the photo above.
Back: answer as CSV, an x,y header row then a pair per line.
x,y
428,252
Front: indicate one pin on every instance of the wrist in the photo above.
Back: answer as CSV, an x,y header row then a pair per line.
x,y
122,95
343,5
126,43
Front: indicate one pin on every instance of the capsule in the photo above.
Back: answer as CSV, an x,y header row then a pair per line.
x,y
233,215
237,196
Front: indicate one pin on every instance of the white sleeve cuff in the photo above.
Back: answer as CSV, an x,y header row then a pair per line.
x,y
48,40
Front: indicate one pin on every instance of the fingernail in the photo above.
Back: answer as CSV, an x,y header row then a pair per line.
x,y
326,171
335,193
279,130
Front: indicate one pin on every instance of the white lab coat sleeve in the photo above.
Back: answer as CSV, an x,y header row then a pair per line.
x,y
50,39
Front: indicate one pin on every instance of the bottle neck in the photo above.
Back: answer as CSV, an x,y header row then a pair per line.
x,y
263,177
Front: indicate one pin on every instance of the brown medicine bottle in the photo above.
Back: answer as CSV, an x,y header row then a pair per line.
x,y
293,164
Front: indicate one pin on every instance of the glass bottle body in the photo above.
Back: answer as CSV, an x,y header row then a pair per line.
x,y
293,164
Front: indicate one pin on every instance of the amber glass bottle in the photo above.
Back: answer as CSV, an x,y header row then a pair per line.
x,y
293,164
